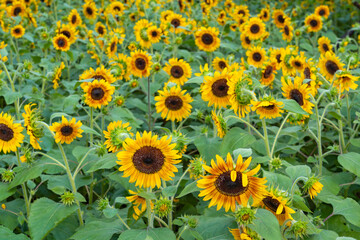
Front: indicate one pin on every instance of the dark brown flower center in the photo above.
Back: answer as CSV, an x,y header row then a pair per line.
x,y
307,73
98,77
177,71
140,63
207,39
268,71
6,133
222,64
257,57
61,42
175,22
101,30
254,28
97,93
89,11
331,67
286,30
265,14
66,130
154,33
325,47
241,12
73,19
117,8
247,40
269,107
17,11
322,12
278,58
148,159
17,30
297,64
313,23
66,33
173,103
226,186
297,96
112,46
281,18
220,88
272,204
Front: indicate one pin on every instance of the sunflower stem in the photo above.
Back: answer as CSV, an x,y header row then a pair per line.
x,y
149,211
161,221
123,222
13,89
266,139
318,139
23,186
102,127
149,104
341,133
182,231
277,135
248,124
44,154
294,184
91,125
173,126
348,109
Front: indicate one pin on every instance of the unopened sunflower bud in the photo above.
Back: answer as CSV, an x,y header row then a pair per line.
x,y
178,41
192,222
208,119
196,168
119,101
156,67
68,198
134,83
101,149
27,65
162,207
299,229
7,175
245,216
102,204
275,163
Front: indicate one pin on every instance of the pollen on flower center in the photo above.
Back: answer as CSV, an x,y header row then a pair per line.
x,y
226,186
297,96
207,39
148,159
97,93
220,88
140,63
174,103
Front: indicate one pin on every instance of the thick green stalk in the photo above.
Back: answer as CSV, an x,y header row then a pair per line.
x,y
23,186
91,125
266,139
318,140
277,135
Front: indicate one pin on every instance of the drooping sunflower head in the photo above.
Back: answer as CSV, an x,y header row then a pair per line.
x,y
140,64
120,64
35,132
61,42
17,31
66,131
10,134
139,203
277,56
179,70
329,64
57,74
254,28
74,18
98,93
256,56
116,134
322,11
313,23
287,30
215,89
89,9
173,103
207,39
220,124
229,183
279,18
345,81
324,45
245,234
112,46
268,73
141,32
240,99
245,41
267,107
148,160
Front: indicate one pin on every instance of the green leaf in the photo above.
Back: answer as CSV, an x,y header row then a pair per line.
x,y
298,171
6,234
89,130
110,212
244,152
351,162
215,228
45,215
299,203
10,97
291,105
306,46
266,225
154,233
234,139
169,191
96,230
27,173
5,192
197,80
192,187
348,208
345,238
106,162
324,235
208,147
147,195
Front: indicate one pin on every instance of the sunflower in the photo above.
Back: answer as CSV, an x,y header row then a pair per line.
x,y
256,56
17,31
10,134
345,81
117,7
139,204
207,39
148,160
57,74
322,11
120,62
277,56
279,18
98,93
324,45
267,108
241,11
101,73
67,30
179,70
61,42
239,99
313,23
154,34
100,29
177,22
173,103
246,234
228,185
329,64
219,123
140,63
287,30
140,32
89,9
16,9
74,18
245,41
32,129
297,91
66,131
112,46
115,135
215,89
268,73
298,62
264,14
254,28
219,64
309,73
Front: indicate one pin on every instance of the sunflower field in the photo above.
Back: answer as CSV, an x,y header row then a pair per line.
x,y
188,119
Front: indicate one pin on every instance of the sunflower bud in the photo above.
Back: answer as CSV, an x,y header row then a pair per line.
x,y
299,229
68,198
313,186
156,67
180,140
276,163
7,175
192,222
208,119
102,204
101,149
119,101
196,168
162,207
27,65
178,41
134,83
245,216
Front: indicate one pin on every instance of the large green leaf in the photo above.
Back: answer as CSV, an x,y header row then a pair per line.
x,y
351,162
291,105
106,162
266,225
7,234
234,139
215,227
98,230
148,234
298,171
27,173
207,147
192,187
324,235
45,215
348,208
5,192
